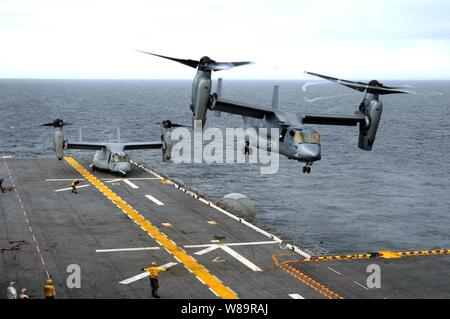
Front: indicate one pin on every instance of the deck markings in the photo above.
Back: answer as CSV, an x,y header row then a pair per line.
x,y
27,220
218,260
212,222
126,249
144,274
207,250
241,258
198,269
69,188
296,296
234,244
155,200
132,185
335,271
102,179
228,250
362,286
167,224
307,280
82,186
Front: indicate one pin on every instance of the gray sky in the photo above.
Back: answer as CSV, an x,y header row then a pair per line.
x,y
347,38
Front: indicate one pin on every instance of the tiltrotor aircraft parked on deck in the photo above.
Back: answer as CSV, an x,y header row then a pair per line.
x,y
111,156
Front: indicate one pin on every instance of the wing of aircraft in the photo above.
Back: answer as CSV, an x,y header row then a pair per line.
x,y
260,112
142,145
358,117
85,146
240,108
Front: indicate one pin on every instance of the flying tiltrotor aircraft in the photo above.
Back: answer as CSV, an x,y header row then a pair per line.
x,y
296,141
111,156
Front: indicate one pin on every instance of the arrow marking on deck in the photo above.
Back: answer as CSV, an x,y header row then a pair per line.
x,y
218,260
230,251
144,274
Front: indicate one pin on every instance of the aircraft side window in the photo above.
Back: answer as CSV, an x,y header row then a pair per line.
x,y
299,138
283,134
315,138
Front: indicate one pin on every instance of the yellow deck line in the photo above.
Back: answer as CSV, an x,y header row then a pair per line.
x,y
200,271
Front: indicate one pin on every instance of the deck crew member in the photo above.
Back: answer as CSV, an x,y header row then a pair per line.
x,y
74,186
49,289
11,292
23,294
153,270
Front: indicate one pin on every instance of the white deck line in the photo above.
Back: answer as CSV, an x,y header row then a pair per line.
x,y
126,249
241,220
132,185
155,200
296,296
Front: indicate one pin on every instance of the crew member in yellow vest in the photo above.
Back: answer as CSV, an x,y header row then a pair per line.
x,y
153,270
74,186
49,290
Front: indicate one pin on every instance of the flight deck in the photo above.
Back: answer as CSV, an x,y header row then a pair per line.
x,y
116,226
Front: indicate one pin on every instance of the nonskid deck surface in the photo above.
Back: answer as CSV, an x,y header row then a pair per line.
x,y
114,227
90,230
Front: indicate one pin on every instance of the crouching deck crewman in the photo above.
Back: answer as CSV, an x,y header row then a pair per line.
x,y
49,289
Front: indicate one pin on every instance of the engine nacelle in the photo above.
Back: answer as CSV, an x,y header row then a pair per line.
x,y
58,143
166,138
368,132
200,99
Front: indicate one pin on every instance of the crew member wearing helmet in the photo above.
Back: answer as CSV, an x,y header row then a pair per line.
x,y
49,289
153,270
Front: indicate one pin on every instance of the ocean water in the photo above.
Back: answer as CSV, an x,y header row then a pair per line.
x,y
395,197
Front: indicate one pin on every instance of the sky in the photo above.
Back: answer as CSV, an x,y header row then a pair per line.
x,y
355,39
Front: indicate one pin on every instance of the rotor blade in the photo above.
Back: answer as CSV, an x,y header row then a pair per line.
x,y
361,86
169,124
48,124
219,66
191,63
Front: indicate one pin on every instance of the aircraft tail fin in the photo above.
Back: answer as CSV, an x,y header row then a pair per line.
x,y
275,97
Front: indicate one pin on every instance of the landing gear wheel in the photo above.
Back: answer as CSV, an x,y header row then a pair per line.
x,y
308,170
305,169
93,168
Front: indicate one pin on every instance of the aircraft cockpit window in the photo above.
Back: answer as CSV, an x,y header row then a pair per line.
x,y
123,158
115,158
306,137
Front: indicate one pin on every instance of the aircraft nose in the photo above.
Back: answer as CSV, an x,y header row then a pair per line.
x,y
309,152
124,167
